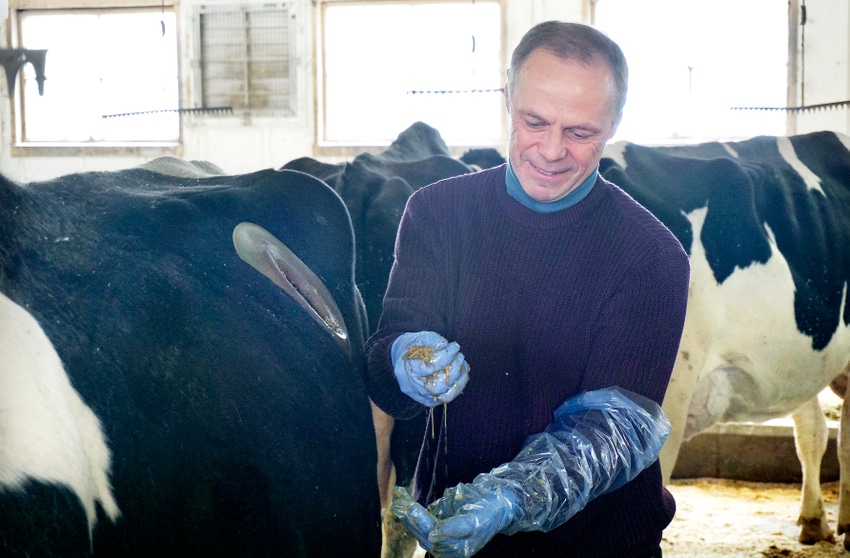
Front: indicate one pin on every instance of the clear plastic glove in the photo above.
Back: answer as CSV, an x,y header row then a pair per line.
x,y
600,440
428,368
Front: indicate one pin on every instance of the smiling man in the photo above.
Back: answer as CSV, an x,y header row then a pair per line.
x,y
544,306
562,114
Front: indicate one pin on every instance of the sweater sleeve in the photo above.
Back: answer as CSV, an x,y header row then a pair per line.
x,y
416,300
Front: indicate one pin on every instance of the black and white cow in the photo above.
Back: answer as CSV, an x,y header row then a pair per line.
x,y
765,222
161,397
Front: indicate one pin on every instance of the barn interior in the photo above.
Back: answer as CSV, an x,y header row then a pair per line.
x,y
254,84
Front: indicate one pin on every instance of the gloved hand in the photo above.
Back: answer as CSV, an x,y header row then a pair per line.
x,y
428,368
599,441
461,522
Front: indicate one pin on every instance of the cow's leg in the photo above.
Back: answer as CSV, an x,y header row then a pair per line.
x,y
811,437
386,471
844,461
397,541
677,401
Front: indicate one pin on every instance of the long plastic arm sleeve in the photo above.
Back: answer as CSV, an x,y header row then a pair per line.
x,y
599,441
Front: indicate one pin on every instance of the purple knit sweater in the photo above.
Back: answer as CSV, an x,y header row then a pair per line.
x,y
543,306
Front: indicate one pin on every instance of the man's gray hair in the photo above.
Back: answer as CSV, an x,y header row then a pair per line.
x,y
573,41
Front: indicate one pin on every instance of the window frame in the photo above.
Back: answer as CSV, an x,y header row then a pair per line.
x,y
323,147
21,147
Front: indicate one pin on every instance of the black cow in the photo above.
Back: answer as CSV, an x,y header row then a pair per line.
x,y
375,188
765,222
191,406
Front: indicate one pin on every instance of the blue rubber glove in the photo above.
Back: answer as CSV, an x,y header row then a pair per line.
x,y
461,522
599,441
428,368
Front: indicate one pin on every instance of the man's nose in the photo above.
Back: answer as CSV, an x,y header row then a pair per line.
x,y
553,145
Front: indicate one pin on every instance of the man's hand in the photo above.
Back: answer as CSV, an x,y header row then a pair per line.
x,y
428,368
461,522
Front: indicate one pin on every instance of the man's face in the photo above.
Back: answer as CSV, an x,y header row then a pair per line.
x,y
562,114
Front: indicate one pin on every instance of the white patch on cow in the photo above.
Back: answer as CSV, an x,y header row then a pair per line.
x,y
786,149
47,432
742,347
175,166
845,140
615,152
729,150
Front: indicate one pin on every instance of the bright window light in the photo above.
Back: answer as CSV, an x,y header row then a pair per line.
x,y
691,61
388,65
111,77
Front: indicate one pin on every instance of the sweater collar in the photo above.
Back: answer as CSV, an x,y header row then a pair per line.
x,y
578,194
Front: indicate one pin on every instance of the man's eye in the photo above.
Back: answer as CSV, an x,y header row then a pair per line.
x,y
534,125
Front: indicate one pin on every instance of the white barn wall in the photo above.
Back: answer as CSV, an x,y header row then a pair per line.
x,y
239,146
523,14
827,73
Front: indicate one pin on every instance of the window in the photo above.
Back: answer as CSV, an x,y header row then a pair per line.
x,y
691,61
385,65
111,77
247,58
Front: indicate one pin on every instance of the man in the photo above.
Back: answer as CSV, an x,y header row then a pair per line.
x,y
564,301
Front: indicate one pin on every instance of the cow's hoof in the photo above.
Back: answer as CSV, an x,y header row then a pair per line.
x,y
813,530
844,529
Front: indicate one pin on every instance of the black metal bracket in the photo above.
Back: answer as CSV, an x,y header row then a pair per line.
x,y
13,59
